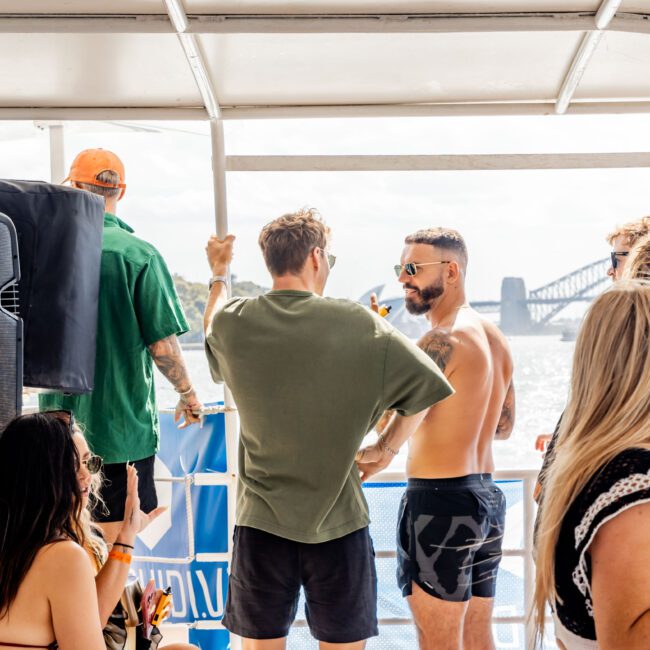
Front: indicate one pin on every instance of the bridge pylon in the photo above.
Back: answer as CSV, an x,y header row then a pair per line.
x,y
515,315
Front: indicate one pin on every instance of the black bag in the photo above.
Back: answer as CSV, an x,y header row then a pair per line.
x,y
59,241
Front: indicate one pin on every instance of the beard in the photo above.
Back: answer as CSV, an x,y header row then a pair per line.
x,y
423,300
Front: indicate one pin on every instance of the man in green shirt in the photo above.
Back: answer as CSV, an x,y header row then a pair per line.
x,y
139,317
310,376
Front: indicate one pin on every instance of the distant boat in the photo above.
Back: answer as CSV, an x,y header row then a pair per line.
x,y
569,334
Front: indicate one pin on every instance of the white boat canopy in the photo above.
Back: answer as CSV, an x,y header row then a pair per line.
x,y
202,59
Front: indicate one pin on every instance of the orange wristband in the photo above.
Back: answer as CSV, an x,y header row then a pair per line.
x,y
120,557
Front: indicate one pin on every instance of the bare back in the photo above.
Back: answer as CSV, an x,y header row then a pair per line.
x,y
455,438
56,600
29,620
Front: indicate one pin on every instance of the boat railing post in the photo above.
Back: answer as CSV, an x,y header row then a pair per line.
x,y
529,563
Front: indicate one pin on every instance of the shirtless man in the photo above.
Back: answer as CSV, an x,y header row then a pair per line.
x,y
452,514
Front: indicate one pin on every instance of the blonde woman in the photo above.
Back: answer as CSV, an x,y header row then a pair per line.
x,y
111,568
593,548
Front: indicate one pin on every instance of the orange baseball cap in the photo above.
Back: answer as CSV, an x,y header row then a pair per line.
x,y
90,163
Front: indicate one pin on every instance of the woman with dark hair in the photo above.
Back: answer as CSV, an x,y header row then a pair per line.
x,y
47,589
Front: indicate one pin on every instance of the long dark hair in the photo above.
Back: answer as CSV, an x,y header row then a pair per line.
x,y
40,499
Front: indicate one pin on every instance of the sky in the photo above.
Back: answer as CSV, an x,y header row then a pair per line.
x,y
537,225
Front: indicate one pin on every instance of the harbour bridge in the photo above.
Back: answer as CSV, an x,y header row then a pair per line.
x,y
520,311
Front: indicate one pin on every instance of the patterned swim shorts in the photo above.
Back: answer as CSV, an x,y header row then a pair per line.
x,y
449,535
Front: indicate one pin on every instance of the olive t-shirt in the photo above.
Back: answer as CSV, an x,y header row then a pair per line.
x,y
311,376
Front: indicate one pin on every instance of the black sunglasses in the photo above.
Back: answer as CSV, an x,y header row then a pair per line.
x,y
411,268
614,257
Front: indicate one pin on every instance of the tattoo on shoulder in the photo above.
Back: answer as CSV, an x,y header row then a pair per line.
x,y
438,346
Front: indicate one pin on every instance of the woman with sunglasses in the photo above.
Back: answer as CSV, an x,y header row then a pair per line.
x,y
47,591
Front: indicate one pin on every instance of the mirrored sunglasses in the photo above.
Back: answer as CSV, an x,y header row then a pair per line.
x,y
93,464
411,268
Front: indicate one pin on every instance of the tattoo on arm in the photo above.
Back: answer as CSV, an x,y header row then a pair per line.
x,y
438,346
507,419
167,355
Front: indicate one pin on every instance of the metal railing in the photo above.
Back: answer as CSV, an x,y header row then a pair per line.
x,y
528,479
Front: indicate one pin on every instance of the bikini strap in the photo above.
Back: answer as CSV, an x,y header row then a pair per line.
x,y
52,646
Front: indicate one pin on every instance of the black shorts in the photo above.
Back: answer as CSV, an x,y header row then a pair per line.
x,y
338,576
113,490
449,536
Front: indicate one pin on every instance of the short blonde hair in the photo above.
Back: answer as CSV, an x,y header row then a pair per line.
x,y
631,232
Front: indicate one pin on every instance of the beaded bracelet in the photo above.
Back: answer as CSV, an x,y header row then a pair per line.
x,y
120,557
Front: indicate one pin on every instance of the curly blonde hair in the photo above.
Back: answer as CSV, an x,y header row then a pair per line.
x,y
631,232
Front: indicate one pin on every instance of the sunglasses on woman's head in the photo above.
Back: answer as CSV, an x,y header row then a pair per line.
x,y
64,416
411,268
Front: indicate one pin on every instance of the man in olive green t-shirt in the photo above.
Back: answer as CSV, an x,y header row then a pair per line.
x,y
311,376
139,318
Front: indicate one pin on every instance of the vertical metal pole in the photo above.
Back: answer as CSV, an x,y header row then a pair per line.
x,y
231,424
221,221
57,153
529,564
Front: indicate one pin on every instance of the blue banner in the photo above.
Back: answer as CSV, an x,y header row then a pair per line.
x,y
198,587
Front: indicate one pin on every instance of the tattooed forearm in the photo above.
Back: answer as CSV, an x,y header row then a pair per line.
x,y
438,346
167,355
507,419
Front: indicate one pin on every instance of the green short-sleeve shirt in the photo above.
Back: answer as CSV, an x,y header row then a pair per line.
x,y
138,306
311,376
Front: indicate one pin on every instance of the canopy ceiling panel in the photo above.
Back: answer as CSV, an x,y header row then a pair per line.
x,y
306,6
386,6
635,6
620,67
349,68
60,70
260,58
82,7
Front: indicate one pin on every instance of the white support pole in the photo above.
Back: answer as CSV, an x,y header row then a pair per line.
x,y
57,153
586,51
231,424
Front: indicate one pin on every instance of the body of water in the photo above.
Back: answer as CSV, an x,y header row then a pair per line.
x,y
542,370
